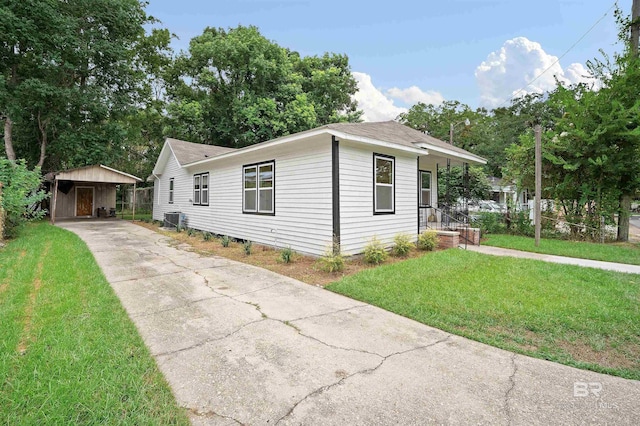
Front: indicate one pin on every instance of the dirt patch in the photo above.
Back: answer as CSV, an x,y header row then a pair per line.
x,y
27,319
303,268
609,357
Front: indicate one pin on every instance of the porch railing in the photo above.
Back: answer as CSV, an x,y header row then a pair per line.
x,y
446,220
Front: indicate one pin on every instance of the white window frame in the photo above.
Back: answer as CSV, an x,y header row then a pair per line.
x,y
171,187
258,189
429,201
392,185
200,189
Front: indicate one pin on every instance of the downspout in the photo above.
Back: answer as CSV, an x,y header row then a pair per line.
x,y
335,192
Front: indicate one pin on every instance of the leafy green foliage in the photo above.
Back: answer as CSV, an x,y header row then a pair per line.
x,y
21,195
374,252
490,223
479,186
286,255
402,245
247,247
236,88
225,241
207,236
427,240
191,232
332,261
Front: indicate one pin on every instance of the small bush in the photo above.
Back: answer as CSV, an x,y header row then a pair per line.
x,y
428,240
21,196
179,228
191,232
403,245
206,236
374,252
247,246
332,261
490,223
225,240
286,255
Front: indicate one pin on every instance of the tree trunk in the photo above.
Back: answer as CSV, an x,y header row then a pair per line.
x,y
8,139
623,218
42,125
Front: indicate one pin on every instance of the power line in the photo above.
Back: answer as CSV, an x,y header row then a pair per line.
x,y
615,3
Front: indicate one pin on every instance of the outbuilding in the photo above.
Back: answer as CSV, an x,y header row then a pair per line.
x,y
86,191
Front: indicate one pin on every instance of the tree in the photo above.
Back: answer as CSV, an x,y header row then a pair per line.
x,y
236,88
479,186
70,71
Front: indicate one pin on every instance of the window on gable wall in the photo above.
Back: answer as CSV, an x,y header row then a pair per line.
x,y
171,191
201,189
258,188
384,184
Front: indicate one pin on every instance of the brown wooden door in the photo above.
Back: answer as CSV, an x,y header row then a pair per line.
x,y
84,201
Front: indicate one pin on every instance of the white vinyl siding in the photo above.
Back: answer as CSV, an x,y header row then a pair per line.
x,y
303,217
358,223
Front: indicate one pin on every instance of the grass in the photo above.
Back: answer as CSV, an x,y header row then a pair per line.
x,y
128,215
577,316
68,353
610,252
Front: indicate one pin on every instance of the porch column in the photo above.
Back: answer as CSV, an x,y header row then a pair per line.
x,y
54,200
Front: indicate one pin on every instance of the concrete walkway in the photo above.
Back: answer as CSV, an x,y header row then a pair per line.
x,y
242,345
497,251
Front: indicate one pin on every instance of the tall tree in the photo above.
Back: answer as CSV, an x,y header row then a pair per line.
x,y
69,72
235,88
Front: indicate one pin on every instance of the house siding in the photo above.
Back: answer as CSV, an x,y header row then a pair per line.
x,y
358,223
302,219
104,196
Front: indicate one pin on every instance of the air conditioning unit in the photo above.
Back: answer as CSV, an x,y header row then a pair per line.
x,y
172,219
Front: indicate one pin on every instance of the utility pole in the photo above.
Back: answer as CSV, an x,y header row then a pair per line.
x,y
635,26
537,206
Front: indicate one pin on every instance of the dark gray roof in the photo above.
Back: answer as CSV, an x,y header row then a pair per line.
x,y
189,152
394,132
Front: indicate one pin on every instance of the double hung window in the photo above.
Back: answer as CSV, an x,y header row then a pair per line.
x,y
258,188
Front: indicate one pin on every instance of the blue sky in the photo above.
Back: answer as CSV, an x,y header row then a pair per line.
x,y
478,52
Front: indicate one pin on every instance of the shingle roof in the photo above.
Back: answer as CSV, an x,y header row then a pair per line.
x,y
189,152
394,132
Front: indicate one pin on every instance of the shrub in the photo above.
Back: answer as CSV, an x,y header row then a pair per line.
x,y
403,245
206,236
375,252
247,247
21,195
191,232
225,240
521,224
428,240
490,223
332,261
286,255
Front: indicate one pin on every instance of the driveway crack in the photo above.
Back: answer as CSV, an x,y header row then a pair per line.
x,y
512,385
209,414
360,372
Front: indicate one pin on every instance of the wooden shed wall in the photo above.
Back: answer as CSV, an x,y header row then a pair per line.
x,y
104,196
94,174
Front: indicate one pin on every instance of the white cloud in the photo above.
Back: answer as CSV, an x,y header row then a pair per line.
x,y
414,94
376,106
515,66
380,106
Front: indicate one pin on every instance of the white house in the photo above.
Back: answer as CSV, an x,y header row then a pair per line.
x,y
504,192
350,181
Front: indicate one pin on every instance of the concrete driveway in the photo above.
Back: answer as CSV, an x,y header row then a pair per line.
x,y
242,345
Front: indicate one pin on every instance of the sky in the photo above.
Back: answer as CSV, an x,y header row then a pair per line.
x,y
478,52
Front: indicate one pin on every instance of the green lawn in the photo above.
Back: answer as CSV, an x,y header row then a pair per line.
x,y
583,317
68,352
611,252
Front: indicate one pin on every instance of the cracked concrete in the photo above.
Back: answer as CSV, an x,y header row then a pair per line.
x,y
241,345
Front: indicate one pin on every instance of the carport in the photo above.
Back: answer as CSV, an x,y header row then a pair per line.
x,y
87,191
